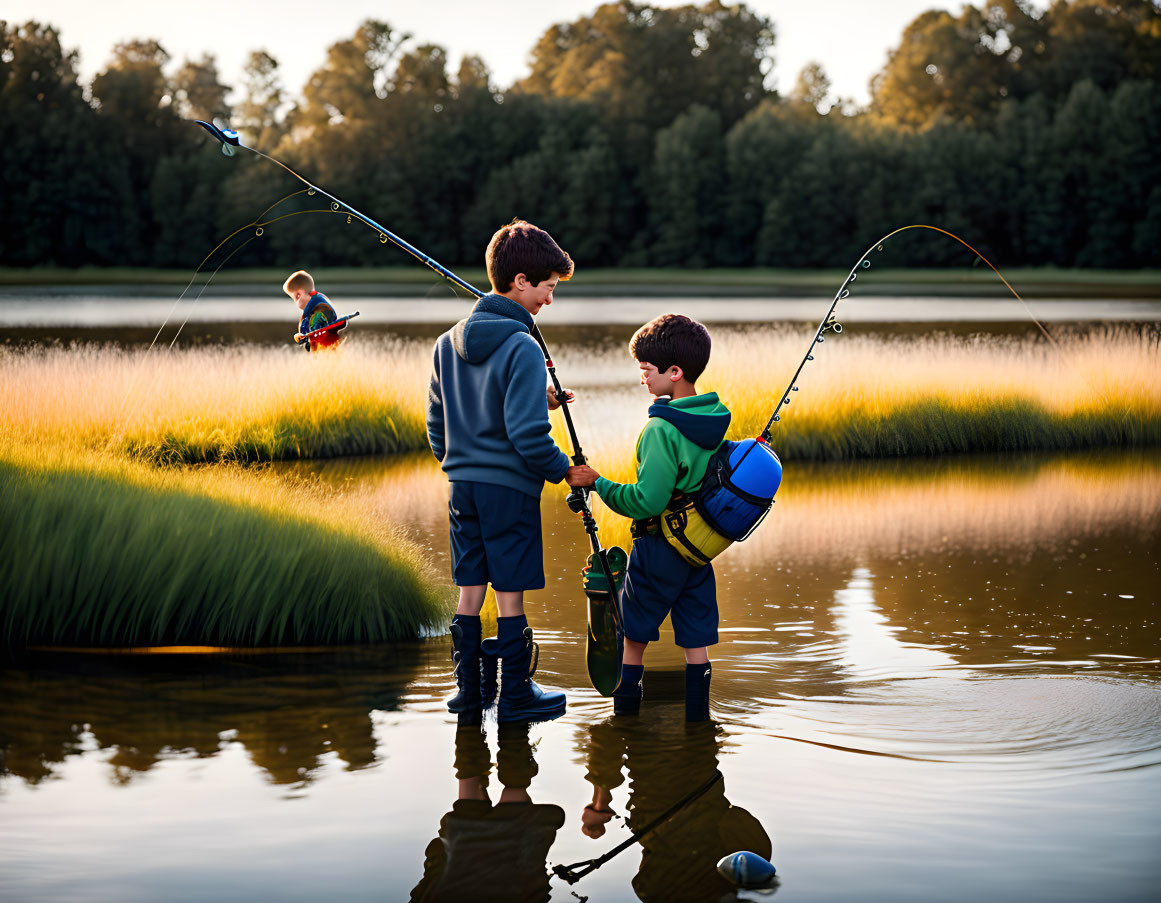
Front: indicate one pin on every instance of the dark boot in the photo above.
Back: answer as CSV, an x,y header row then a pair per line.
x,y
521,700
465,632
627,696
697,684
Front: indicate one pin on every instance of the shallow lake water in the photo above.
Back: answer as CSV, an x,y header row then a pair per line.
x,y
937,680
934,681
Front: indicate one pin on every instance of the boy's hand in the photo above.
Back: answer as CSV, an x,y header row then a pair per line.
x,y
298,338
553,403
597,814
580,475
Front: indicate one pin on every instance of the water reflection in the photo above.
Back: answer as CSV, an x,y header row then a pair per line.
x,y
923,666
491,852
290,716
676,803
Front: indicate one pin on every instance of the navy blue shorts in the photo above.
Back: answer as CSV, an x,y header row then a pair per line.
x,y
495,537
659,582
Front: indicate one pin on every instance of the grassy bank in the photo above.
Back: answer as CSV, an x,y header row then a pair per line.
x,y
867,397
870,397
218,404
101,551
409,280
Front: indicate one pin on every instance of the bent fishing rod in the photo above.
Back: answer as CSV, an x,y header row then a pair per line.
x,y
830,324
578,498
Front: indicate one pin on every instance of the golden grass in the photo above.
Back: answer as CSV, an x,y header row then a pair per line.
x,y
869,397
218,404
103,550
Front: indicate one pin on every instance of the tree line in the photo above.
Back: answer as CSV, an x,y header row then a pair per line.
x,y
643,136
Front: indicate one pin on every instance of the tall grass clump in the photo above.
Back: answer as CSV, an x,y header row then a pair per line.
x,y
103,551
866,397
874,397
232,404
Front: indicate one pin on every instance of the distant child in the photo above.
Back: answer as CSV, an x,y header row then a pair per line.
x,y
487,423
316,307
673,451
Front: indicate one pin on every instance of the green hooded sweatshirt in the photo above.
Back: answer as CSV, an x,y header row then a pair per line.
x,y
673,452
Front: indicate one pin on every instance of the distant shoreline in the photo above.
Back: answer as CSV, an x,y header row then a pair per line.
x,y
404,281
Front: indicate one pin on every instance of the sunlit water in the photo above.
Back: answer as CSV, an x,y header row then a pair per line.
x,y
935,681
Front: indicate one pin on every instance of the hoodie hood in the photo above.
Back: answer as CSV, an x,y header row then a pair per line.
x,y
491,323
701,419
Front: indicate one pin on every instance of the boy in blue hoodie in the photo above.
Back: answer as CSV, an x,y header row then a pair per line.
x,y
487,423
673,451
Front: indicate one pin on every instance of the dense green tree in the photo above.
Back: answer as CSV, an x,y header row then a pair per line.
x,y
198,93
642,135
645,65
685,189
65,189
812,88
262,100
964,67
354,78
944,66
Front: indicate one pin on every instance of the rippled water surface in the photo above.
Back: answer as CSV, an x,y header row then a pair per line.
x,y
935,682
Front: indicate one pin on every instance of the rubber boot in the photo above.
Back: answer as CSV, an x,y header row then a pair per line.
x,y
697,684
627,696
465,632
521,699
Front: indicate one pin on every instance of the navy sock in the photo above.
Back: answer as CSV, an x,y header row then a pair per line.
x,y
627,696
697,684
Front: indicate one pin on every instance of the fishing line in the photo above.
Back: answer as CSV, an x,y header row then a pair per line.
x,y
829,324
578,498
259,227
575,872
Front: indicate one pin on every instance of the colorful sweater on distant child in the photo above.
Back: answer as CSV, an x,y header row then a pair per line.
x,y
318,313
673,452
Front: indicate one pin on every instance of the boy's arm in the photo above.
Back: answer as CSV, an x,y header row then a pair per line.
x,y
435,426
526,414
656,477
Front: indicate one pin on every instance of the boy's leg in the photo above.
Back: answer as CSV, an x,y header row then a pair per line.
x,y
510,605
627,696
521,698
634,653
697,685
466,637
511,534
471,600
695,626
469,571
645,601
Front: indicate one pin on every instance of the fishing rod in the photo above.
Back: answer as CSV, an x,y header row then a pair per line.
x,y
307,339
573,873
829,324
578,497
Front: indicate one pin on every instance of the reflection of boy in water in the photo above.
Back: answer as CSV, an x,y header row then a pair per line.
x,y
667,761
485,852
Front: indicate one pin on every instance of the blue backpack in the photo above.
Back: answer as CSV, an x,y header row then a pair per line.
x,y
734,498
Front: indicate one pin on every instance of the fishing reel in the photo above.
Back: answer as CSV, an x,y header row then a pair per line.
x,y
578,500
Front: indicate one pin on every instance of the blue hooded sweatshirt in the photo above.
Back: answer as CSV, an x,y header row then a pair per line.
x,y
487,414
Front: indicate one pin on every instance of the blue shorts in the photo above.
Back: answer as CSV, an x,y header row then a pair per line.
x,y
495,537
659,582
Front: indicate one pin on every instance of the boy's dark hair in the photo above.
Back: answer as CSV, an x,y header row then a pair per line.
x,y
673,339
521,247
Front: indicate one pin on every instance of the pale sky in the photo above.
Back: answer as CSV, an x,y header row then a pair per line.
x,y
849,37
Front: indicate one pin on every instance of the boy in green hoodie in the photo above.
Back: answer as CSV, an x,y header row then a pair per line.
x,y
673,451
